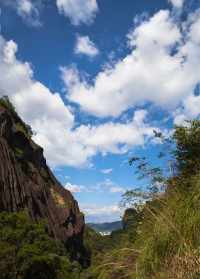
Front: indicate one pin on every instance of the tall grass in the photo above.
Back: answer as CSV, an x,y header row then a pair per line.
x,y
167,245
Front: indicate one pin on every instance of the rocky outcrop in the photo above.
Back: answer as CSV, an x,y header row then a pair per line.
x,y
26,182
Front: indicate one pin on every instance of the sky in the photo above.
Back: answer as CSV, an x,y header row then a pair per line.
x,y
94,79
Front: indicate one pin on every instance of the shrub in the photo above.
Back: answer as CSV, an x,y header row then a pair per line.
x,y
27,252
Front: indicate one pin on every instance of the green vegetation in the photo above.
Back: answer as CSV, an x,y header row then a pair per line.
x,y
106,227
19,152
24,128
27,252
20,126
161,236
6,103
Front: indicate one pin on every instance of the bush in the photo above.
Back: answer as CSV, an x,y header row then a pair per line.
x,y
27,252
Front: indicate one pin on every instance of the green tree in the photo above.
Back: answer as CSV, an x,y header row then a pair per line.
x,y
187,140
27,252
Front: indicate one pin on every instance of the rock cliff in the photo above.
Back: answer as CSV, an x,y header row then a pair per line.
x,y
26,182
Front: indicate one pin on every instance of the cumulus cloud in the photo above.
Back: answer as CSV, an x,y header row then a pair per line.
x,y
116,138
78,11
107,186
189,110
76,147
177,3
75,188
110,186
160,69
85,46
66,143
116,189
106,213
28,10
106,171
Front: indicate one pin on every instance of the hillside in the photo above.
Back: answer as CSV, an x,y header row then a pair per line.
x,y
161,239
106,227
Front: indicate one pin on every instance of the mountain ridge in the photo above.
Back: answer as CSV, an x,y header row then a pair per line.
x,y
106,226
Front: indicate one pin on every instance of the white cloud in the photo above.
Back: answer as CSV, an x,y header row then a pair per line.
x,y
85,46
106,186
75,147
106,213
191,104
75,188
161,69
28,10
35,103
95,210
109,186
65,143
116,189
78,11
116,138
25,7
107,171
189,110
177,3
149,73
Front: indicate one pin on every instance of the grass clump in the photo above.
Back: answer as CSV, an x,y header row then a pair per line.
x,y
165,242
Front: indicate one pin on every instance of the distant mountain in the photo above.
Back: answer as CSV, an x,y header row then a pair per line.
x,y
106,227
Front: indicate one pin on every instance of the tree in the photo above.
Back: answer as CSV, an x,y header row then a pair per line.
x,y
187,152
183,149
27,252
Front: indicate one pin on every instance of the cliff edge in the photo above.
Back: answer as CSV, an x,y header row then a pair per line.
x,y
26,182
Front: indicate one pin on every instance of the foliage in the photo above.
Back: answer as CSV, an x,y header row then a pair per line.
x,y
135,199
145,170
6,103
27,252
171,229
19,126
164,243
187,140
19,152
24,128
106,227
160,238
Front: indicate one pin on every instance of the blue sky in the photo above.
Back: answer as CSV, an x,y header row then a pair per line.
x,y
94,78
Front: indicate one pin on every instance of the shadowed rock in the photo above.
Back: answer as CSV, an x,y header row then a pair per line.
x,y
26,182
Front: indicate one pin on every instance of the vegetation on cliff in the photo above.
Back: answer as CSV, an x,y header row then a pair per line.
x,y
27,183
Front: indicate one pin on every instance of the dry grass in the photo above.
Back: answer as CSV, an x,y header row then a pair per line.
x,y
59,200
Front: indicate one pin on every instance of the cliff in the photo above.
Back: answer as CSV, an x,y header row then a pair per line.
x,y
26,182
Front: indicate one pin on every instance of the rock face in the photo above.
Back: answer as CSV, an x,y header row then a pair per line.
x,y
26,182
